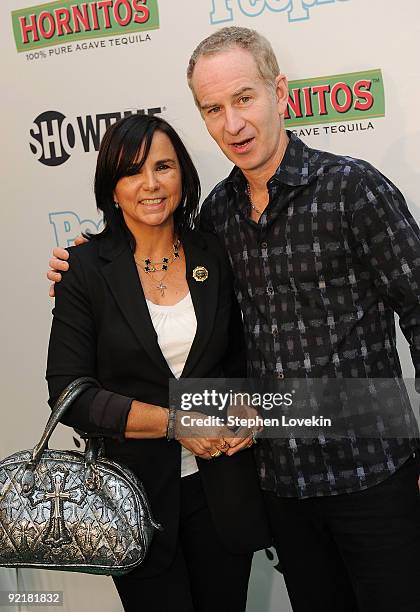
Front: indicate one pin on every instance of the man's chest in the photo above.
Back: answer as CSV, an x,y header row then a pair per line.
x,y
300,247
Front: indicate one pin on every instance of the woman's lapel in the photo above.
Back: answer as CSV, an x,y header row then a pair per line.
x,y
200,262
123,281
122,278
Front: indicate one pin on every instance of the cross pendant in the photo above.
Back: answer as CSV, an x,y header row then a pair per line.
x,y
161,288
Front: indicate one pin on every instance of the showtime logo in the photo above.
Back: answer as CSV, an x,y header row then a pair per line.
x,y
66,21
297,10
53,137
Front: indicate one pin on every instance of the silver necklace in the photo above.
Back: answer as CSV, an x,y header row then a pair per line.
x,y
157,284
248,191
161,287
158,266
149,266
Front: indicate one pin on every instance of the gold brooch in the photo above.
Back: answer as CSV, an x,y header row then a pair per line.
x,y
200,274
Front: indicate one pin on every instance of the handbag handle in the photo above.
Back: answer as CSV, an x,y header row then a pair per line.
x,y
67,397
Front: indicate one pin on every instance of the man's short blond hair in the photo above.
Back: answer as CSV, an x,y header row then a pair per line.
x,y
230,37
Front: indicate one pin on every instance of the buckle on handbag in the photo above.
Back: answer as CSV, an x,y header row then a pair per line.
x,y
93,479
28,478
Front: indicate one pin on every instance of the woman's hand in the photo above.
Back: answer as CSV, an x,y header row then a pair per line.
x,y
245,433
204,436
205,440
205,448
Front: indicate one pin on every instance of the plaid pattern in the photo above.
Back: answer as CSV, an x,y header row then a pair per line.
x,y
318,279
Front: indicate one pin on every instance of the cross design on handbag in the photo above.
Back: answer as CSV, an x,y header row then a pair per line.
x,y
56,533
115,487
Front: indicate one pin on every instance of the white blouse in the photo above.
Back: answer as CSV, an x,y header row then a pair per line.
x,y
175,327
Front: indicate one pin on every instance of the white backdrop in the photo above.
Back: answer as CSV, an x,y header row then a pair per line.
x,y
50,204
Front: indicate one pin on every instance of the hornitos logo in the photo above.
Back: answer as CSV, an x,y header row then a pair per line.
x,y
65,21
297,10
53,137
336,98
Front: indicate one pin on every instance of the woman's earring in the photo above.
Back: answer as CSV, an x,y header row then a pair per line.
x,y
116,205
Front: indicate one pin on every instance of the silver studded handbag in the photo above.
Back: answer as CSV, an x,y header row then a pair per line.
x,y
74,511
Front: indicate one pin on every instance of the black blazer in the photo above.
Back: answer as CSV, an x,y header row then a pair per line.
x,y
102,328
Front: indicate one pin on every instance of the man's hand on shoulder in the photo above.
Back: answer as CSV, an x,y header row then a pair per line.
x,y
58,263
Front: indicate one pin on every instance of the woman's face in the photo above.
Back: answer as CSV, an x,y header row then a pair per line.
x,y
150,197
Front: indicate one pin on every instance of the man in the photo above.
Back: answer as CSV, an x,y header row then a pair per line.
x,y
324,250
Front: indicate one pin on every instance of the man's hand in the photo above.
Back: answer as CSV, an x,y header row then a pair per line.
x,y
58,263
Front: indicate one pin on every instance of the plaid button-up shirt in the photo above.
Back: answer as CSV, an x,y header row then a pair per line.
x,y
318,278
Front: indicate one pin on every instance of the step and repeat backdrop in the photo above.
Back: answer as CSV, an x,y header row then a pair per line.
x,y
71,68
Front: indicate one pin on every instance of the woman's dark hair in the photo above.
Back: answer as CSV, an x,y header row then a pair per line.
x,y
119,156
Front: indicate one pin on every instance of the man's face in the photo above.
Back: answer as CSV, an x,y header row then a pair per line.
x,y
241,112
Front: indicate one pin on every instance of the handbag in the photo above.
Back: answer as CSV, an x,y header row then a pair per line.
x,y
69,510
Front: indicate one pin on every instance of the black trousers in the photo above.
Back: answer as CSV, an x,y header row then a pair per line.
x,y
203,577
357,552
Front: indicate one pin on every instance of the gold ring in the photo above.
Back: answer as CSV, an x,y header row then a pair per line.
x,y
216,454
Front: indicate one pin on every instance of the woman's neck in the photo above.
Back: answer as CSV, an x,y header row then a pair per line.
x,y
154,242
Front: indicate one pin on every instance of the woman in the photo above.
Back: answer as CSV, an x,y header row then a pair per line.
x,y
147,300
